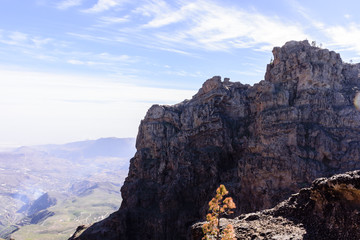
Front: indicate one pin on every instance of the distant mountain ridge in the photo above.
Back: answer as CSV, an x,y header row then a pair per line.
x,y
103,147
36,181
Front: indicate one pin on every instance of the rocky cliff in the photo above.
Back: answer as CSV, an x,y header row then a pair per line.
x,y
264,142
328,210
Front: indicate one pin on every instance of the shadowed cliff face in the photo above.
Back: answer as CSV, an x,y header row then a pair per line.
x,y
264,142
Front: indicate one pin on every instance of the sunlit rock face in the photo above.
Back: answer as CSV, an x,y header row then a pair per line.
x,y
264,142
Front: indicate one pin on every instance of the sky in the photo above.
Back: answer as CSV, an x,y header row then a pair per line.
x,y
73,70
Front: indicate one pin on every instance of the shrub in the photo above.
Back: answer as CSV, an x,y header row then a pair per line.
x,y
218,208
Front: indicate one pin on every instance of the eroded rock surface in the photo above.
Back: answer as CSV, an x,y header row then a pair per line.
x,y
264,142
328,210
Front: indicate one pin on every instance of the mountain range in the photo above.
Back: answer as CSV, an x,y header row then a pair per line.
x,y
47,190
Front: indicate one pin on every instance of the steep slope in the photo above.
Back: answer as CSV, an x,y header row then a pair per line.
x,y
264,142
327,210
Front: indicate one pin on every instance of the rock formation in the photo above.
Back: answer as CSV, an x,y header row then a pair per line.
x,y
263,142
328,210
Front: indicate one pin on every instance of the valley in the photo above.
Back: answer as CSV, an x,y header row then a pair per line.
x,y
47,191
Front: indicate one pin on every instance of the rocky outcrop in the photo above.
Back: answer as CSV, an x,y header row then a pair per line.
x,y
43,202
264,142
329,210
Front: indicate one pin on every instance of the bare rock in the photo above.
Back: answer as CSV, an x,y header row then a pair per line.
x,y
264,142
329,210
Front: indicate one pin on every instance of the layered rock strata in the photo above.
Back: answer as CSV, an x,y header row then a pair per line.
x,y
264,142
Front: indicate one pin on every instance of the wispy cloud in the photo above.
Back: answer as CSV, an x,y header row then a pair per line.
x,y
68,4
91,37
103,5
39,42
52,50
347,16
21,39
118,58
75,62
342,37
17,37
211,26
162,13
114,20
182,26
45,57
306,15
83,57
345,37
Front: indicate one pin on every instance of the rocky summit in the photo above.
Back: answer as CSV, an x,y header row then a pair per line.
x,y
263,142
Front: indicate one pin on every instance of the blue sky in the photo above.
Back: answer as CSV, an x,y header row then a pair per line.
x,y
83,69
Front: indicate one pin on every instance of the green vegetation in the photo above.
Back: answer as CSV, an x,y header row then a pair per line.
x,y
71,213
219,207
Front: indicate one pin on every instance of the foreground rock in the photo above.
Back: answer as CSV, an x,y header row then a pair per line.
x,y
263,142
329,209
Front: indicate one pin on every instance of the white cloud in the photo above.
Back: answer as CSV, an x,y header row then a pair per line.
x,y
68,3
97,64
114,20
210,26
40,42
24,40
45,57
103,5
90,37
102,61
339,37
305,14
199,24
117,58
76,62
162,13
17,37
345,37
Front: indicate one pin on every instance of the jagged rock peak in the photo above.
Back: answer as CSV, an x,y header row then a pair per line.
x,y
263,142
305,65
213,83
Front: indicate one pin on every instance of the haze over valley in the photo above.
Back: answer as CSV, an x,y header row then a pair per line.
x,y
46,191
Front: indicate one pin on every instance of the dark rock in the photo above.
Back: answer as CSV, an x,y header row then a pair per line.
x,y
263,142
43,202
36,218
329,210
78,231
6,232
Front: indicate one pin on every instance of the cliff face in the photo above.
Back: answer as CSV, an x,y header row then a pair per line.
x,y
328,210
263,142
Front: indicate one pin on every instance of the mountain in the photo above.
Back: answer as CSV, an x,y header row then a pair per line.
x,y
89,149
37,183
263,142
